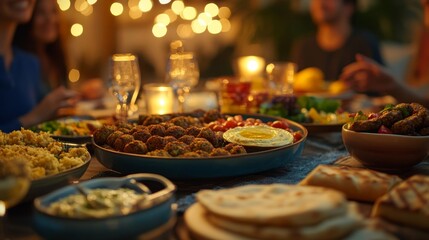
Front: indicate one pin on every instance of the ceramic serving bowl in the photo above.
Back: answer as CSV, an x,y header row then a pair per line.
x,y
153,213
385,151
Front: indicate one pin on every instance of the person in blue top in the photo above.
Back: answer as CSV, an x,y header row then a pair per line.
x,y
22,101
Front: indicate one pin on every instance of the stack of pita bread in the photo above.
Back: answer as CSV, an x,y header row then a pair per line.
x,y
276,211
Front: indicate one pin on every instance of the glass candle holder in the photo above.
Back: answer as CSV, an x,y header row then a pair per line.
x,y
159,98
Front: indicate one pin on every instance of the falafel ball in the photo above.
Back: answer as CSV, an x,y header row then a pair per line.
x,y
157,129
203,154
142,135
155,142
187,139
176,148
158,153
121,141
190,155
201,144
219,152
175,131
112,137
193,131
168,139
212,115
152,119
208,134
101,134
136,146
237,149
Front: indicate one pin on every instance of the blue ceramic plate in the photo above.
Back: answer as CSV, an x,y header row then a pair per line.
x,y
155,213
210,167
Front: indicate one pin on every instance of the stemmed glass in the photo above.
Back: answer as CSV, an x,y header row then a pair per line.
x,y
14,184
182,75
125,83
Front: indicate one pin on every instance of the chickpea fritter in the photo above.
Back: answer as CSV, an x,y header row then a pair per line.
x,y
187,139
202,153
168,139
371,125
155,142
121,141
158,153
201,144
157,129
175,131
212,115
190,155
176,148
234,148
112,137
193,131
136,146
208,134
185,121
101,134
219,152
152,119
142,135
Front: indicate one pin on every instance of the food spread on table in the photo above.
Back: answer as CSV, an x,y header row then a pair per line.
x,y
69,127
104,203
306,109
402,119
45,156
192,135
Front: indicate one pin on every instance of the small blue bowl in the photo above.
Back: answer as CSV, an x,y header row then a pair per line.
x,y
156,211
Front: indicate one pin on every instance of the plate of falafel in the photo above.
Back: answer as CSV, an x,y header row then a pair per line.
x,y
186,146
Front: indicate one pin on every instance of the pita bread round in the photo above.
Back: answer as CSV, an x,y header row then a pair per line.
x,y
333,228
200,228
274,204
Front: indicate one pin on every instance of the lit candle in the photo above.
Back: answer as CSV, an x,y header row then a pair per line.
x,y
251,66
159,98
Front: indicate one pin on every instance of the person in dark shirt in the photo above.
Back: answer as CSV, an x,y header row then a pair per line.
x,y
365,74
336,42
23,102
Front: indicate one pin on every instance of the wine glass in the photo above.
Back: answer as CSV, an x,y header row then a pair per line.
x,y
125,83
14,184
182,75
281,77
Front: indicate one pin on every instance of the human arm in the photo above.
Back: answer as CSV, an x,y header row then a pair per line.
x,y
48,107
367,75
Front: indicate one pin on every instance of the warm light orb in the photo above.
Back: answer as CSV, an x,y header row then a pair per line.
x,y
171,15
64,5
135,13
88,11
159,30
163,19
145,5
116,9
224,12
164,1
76,29
212,9
205,18
81,5
177,7
250,66
226,24
91,2
74,75
198,26
188,13
133,3
184,31
214,27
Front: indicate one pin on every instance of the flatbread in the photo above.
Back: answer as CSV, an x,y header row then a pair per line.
x,y
356,183
274,204
407,203
333,228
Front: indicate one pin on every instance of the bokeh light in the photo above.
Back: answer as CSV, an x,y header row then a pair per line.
x,y
184,31
159,30
164,1
171,15
64,5
91,2
177,7
212,9
76,29
226,24
135,13
205,18
198,26
214,27
145,5
116,9
74,75
163,19
188,13
224,12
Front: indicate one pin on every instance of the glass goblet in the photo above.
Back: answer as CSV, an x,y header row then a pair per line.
x,y
182,74
124,78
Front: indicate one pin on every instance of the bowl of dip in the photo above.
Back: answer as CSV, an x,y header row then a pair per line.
x,y
111,208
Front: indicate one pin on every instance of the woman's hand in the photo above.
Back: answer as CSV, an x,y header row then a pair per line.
x,y
47,109
365,75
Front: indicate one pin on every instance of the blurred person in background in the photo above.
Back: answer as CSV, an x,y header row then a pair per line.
x,y
22,97
335,42
42,37
365,74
